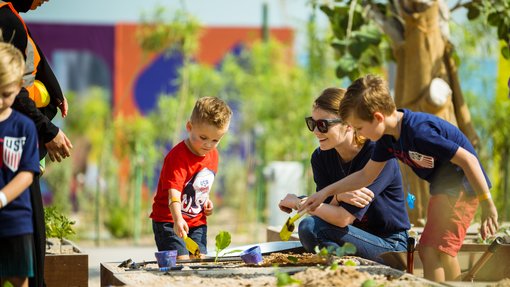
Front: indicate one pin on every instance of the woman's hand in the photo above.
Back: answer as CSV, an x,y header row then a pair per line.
x,y
64,108
289,202
59,147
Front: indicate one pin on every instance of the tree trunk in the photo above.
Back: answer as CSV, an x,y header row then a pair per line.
x,y
422,57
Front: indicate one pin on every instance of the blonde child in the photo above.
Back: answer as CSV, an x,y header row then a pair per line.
x,y
18,164
182,202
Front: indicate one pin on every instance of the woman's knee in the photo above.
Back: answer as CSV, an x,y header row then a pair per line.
x,y
306,233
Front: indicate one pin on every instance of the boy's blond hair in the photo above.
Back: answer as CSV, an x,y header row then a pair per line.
x,y
366,96
329,101
211,110
12,65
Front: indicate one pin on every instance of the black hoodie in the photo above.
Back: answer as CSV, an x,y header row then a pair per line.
x,y
14,32
21,5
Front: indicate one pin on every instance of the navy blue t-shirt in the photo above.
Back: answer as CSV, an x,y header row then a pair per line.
x,y
18,147
387,213
427,144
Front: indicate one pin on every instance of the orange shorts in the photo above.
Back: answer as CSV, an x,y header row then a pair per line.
x,y
448,219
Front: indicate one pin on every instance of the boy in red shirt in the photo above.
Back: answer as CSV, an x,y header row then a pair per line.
x,y
182,202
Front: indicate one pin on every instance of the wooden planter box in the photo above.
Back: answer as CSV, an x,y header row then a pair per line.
x,y
66,270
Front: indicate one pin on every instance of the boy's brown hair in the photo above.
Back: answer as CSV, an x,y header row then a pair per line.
x,y
366,96
211,110
12,64
329,101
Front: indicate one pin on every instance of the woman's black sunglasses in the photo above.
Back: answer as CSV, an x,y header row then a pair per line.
x,y
322,125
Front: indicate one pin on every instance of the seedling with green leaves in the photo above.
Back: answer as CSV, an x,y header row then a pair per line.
x,y
283,278
57,224
502,231
223,240
327,252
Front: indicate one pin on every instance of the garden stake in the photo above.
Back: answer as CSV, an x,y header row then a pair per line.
x,y
289,226
470,276
410,254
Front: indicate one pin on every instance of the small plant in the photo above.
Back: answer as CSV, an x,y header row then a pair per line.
x,y
293,259
283,278
369,283
346,249
223,240
327,252
57,224
502,231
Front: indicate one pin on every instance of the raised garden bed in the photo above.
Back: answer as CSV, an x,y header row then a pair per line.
x,y
309,269
65,264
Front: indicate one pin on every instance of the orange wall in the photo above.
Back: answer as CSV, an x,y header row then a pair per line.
x,y
215,43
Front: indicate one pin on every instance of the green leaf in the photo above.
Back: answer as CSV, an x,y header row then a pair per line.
x,y
345,65
494,19
350,263
473,12
284,279
349,248
232,251
340,44
334,266
505,51
223,240
503,32
369,283
292,259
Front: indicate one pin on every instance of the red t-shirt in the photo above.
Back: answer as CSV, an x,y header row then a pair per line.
x,y
193,176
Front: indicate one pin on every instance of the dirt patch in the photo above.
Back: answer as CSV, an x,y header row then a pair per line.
x,y
503,283
303,269
310,259
56,246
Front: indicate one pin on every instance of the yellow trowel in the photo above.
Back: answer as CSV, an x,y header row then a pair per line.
x,y
192,246
289,226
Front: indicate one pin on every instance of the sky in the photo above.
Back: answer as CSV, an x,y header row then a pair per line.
x,y
246,13
282,13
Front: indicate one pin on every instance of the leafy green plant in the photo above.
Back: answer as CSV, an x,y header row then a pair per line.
x,y
223,240
57,224
327,252
503,231
283,278
346,249
369,283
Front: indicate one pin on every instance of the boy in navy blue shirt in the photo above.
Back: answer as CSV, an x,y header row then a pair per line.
x,y
18,164
437,152
373,226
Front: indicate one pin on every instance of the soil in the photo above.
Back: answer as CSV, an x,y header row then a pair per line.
x,y
56,246
308,259
298,266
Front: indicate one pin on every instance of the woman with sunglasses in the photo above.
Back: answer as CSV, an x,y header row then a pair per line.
x,y
374,218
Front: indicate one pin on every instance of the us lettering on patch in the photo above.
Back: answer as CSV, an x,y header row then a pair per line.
x,y
12,151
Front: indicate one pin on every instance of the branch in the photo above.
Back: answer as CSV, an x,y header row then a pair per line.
x,y
388,26
444,18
